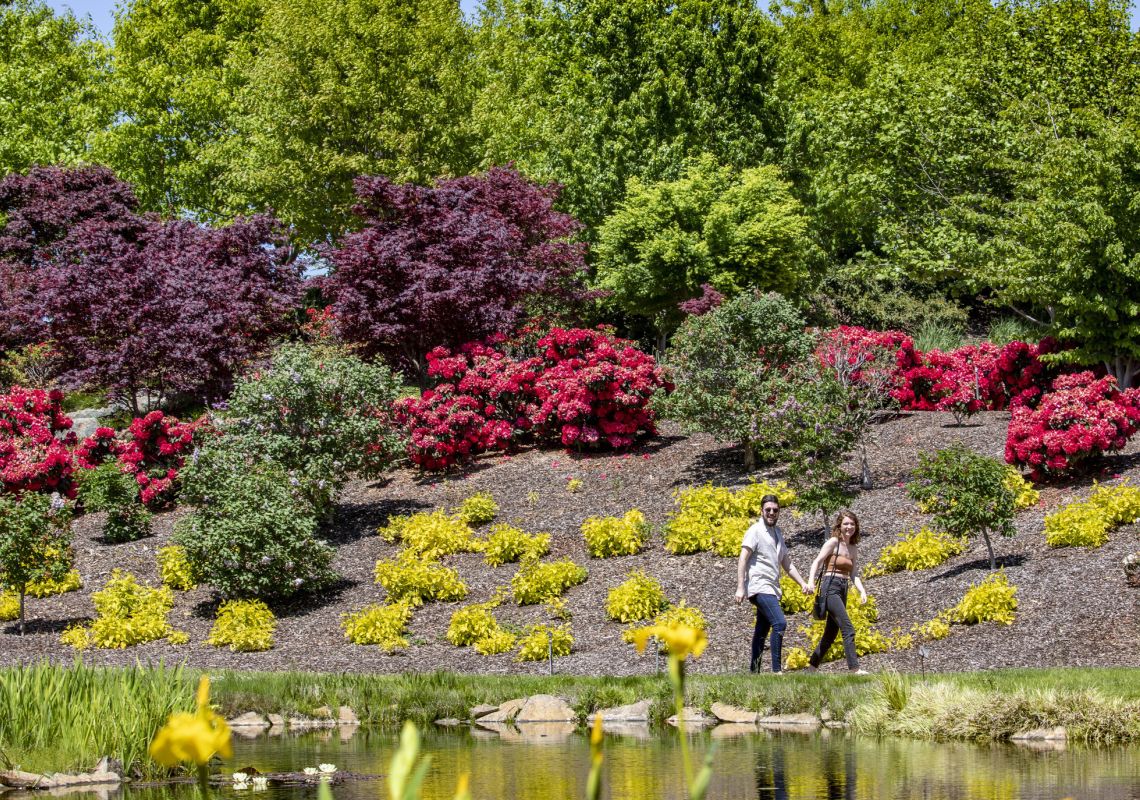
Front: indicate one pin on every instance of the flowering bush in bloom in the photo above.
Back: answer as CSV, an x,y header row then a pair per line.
x,y
154,452
586,388
1082,417
32,457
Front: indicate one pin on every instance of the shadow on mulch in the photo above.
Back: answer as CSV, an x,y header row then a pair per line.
x,y
297,606
716,466
32,625
983,564
355,521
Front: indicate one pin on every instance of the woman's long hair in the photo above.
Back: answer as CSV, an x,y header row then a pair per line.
x,y
846,514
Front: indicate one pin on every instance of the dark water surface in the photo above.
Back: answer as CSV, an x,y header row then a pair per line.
x,y
553,764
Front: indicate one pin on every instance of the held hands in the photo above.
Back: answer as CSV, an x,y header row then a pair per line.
x,y
807,588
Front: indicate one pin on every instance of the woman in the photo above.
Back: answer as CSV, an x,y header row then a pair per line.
x,y
839,561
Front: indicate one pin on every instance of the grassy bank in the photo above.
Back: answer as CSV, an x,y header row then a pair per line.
x,y
65,718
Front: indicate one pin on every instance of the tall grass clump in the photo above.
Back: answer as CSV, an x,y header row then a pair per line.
x,y
937,335
59,718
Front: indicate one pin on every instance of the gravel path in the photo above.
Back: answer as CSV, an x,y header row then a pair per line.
x,y
1075,608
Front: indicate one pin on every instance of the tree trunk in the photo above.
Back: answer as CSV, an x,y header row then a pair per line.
x,y
865,467
990,547
749,455
1124,369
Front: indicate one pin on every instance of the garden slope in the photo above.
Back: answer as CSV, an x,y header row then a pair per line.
x,y
1075,608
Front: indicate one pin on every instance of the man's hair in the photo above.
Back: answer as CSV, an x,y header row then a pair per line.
x,y
769,498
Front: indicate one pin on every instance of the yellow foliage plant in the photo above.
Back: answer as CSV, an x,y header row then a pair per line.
x,y
245,626
127,614
378,624
693,529
174,568
792,598
537,582
1024,495
922,549
9,606
992,600
478,509
506,544
430,536
472,624
537,641
615,536
407,578
638,598
678,616
1088,523
49,588
863,617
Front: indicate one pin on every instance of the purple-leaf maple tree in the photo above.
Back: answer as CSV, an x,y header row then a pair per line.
x,y
451,263
133,303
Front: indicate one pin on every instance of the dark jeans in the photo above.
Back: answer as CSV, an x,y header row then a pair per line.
x,y
835,593
768,615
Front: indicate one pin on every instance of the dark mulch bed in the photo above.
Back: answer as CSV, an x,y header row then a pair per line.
x,y
1075,608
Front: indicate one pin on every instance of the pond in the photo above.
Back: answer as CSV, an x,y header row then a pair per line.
x,y
552,764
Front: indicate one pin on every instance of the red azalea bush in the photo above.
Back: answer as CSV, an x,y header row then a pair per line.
x,y
32,457
596,388
1082,417
153,452
586,388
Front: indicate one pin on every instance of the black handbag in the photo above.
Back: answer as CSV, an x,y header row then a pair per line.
x,y
819,607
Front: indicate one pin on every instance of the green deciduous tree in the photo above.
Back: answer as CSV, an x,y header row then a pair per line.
x,y
712,225
730,368
35,543
52,69
590,93
177,71
966,493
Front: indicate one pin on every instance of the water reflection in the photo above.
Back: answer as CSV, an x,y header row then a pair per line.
x,y
553,765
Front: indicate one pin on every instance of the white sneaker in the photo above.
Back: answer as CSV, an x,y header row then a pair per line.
x,y
860,672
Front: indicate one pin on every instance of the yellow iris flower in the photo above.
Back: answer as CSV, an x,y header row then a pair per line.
x,y
196,737
680,640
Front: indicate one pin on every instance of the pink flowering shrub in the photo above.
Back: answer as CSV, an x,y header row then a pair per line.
x,y
1082,417
586,388
596,388
32,457
153,451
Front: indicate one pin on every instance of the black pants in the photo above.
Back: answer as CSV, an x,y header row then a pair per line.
x,y
834,591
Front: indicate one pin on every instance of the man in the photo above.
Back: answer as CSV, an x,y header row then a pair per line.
x,y
762,554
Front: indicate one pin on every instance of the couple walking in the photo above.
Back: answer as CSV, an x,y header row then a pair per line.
x,y
764,552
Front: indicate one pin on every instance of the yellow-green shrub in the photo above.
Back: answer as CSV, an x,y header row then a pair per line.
x,y
538,582
614,536
1024,495
478,509
672,617
429,536
796,658
863,618
407,578
245,626
127,614
920,550
498,641
702,508
574,485
728,535
48,588
537,640
1088,523
792,598
9,606
381,625
937,628
174,568
471,623
992,600
506,544
638,598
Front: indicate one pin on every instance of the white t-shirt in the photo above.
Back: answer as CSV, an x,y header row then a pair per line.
x,y
768,554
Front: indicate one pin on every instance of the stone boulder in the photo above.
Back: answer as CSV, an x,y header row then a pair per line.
x,y
1058,734
634,712
482,710
505,712
693,717
250,719
545,708
727,713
